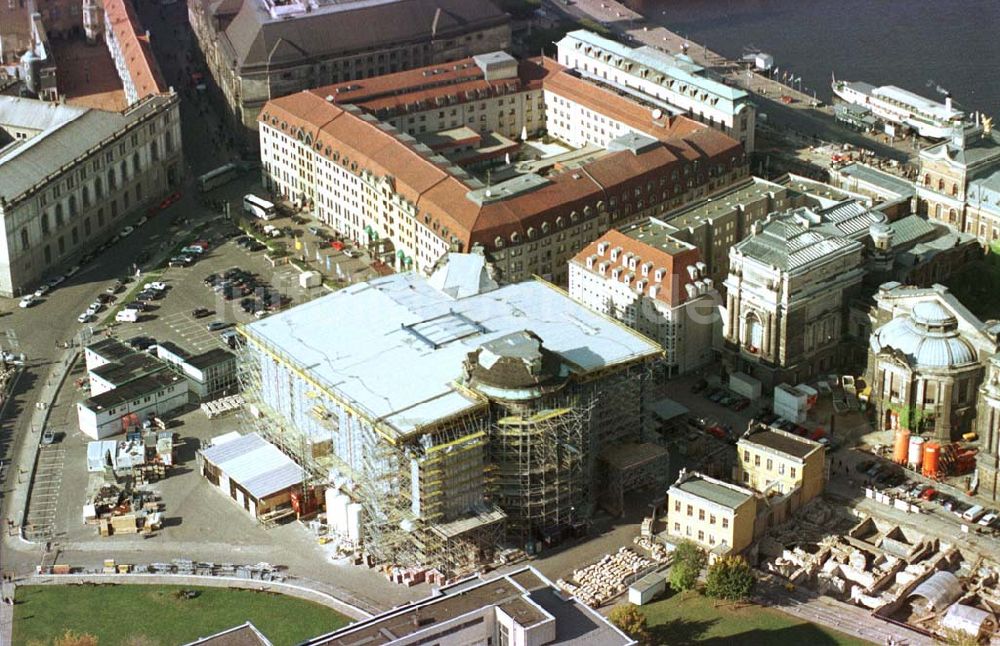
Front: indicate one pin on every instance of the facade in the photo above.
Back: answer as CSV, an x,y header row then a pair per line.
x,y
128,43
787,294
926,360
157,394
988,428
254,473
959,181
715,515
378,184
520,607
258,50
655,284
674,84
73,176
463,413
774,461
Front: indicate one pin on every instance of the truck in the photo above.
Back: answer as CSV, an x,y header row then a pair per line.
x,y
127,316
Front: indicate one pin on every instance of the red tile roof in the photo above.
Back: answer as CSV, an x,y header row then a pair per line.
x,y
353,137
134,42
672,289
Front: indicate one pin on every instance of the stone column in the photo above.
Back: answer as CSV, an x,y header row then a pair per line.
x,y
942,426
775,338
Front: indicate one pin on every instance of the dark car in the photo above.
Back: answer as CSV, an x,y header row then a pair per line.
x,y
256,246
699,386
215,326
142,342
200,312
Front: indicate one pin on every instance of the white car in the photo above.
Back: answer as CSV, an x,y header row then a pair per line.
x,y
56,280
86,317
95,307
73,270
988,519
141,221
127,231
41,291
27,301
157,286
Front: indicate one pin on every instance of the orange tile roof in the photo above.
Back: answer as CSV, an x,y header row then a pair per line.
x,y
441,197
672,288
134,42
393,92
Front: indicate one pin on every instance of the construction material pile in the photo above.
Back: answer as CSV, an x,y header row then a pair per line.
x,y
597,584
222,406
121,510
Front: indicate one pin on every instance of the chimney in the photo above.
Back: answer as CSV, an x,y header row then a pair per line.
x,y
947,102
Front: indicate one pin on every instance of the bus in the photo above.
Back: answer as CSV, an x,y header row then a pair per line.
x,y
218,177
259,207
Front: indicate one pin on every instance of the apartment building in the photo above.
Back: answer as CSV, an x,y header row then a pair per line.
x,y
772,461
715,515
258,50
378,183
674,84
653,283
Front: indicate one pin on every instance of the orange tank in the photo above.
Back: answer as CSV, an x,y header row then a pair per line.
x,y
932,454
902,446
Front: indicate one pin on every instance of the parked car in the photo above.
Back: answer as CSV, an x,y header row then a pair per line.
x,y
717,431
256,246
180,261
27,301
716,395
157,286
114,288
48,437
215,326
170,199
126,232
928,494
699,386
192,251
86,317
988,519
316,231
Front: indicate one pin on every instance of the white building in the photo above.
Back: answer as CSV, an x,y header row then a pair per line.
x,y
675,84
157,394
653,283
209,374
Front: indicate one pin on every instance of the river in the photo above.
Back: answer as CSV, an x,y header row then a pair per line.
x,y
925,46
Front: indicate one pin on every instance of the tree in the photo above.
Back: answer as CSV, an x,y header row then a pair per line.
x,y
730,578
70,638
627,618
687,563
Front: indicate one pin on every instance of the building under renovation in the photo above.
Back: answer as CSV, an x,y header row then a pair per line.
x,y
460,415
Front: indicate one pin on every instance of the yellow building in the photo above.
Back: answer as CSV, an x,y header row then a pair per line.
x,y
714,514
773,461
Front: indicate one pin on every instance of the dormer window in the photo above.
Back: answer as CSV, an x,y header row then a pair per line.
x,y
658,275
602,248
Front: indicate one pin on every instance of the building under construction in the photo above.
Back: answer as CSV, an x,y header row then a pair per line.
x,y
456,415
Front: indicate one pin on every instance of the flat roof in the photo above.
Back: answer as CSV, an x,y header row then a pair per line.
x,y
128,368
782,442
632,454
750,190
255,464
891,183
244,635
729,496
525,594
213,357
133,390
400,366
110,349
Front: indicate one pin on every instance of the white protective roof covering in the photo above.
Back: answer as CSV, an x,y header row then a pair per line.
x,y
940,589
255,464
929,337
393,347
968,619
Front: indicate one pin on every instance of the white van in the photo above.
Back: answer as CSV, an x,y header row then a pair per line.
x,y
988,519
974,513
127,316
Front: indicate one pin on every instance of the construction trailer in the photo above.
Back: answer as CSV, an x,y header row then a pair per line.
x,y
462,417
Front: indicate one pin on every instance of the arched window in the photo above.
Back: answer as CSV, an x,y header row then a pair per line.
x,y
111,179
124,171
86,196
954,189
940,184
927,179
98,188
24,239
135,163
168,138
937,211
72,206
59,214
952,215
154,151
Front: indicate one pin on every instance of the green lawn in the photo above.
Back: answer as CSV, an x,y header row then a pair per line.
x,y
690,618
115,613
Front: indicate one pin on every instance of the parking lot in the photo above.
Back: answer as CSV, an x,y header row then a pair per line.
x,y
42,511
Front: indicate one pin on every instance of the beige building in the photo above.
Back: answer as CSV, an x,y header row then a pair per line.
x,y
926,360
368,163
258,50
772,461
714,514
988,427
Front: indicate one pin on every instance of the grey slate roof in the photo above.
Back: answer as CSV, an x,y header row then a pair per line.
x,y
787,245
729,497
341,27
66,132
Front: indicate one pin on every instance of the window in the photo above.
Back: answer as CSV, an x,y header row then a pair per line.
x,y
59,215
711,519
111,179
677,505
725,523
792,472
135,163
746,455
701,514
690,510
769,465
24,239
756,460
677,527
701,535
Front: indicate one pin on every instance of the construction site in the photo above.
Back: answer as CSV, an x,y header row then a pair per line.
x,y
465,422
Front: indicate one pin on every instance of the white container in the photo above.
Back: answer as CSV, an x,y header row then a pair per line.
x,y
355,515
645,589
915,455
743,384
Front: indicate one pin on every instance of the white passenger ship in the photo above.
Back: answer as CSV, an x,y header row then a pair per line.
x,y
895,105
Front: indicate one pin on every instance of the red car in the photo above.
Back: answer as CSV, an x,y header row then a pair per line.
x,y
928,494
203,244
170,199
337,244
717,431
